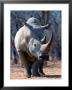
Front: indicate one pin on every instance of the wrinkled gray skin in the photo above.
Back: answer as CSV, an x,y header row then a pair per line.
x,y
29,50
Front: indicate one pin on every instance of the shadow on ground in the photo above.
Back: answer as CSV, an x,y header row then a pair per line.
x,y
53,76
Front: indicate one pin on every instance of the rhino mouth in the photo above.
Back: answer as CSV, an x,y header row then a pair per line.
x,y
44,57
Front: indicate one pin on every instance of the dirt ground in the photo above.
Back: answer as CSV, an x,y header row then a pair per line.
x,y
52,71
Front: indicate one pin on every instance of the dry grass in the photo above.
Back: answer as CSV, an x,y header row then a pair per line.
x,y
52,71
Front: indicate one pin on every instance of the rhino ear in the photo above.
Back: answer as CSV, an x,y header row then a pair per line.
x,y
43,40
30,27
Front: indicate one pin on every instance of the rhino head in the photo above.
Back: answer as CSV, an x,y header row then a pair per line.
x,y
39,49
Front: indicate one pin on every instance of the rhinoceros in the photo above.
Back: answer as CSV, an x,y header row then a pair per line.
x,y
32,51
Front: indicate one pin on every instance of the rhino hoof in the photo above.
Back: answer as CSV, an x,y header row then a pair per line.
x,y
36,75
42,74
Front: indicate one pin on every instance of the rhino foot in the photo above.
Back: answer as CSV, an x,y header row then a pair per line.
x,y
42,73
28,76
36,75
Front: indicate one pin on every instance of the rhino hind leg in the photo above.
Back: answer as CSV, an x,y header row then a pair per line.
x,y
41,68
25,63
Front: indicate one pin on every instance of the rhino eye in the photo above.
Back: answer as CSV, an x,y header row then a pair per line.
x,y
35,45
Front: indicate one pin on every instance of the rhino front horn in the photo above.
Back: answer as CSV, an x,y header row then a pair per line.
x,y
46,47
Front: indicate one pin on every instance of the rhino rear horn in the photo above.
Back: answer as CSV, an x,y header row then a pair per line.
x,y
43,40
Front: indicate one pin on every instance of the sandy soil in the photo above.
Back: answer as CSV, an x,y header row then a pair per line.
x,y
52,71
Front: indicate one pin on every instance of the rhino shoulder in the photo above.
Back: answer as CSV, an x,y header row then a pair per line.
x,y
22,37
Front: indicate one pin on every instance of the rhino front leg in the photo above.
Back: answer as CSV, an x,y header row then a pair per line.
x,y
35,67
25,63
27,71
